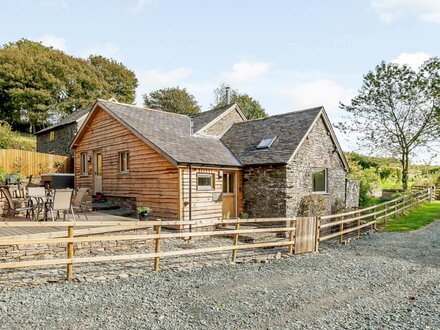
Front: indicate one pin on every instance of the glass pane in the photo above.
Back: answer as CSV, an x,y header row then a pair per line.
x,y
225,183
98,164
204,181
231,183
319,181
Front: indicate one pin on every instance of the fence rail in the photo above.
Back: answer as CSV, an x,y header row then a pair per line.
x,y
32,163
302,233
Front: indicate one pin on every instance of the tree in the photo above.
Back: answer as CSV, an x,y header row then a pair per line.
x,y
38,84
395,111
174,99
251,108
122,81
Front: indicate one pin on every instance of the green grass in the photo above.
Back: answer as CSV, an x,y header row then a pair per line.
x,y
26,141
415,219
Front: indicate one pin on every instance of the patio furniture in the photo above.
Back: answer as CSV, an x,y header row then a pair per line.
x,y
61,201
38,198
12,209
78,203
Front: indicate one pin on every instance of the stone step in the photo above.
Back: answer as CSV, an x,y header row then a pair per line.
x,y
101,206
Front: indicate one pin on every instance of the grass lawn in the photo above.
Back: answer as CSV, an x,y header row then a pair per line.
x,y
415,219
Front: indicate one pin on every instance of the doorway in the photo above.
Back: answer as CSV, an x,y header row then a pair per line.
x,y
229,195
97,172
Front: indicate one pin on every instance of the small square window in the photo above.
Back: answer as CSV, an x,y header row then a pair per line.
x,y
205,181
123,162
83,164
52,136
319,178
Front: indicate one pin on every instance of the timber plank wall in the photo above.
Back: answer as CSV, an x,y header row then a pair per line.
x,y
151,179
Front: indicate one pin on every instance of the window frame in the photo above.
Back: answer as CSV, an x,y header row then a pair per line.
x,y
318,170
83,164
229,183
52,136
121,162
211,187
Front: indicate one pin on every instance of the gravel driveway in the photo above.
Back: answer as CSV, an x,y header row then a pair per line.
x,y
385,281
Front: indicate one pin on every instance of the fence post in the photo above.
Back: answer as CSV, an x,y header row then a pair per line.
x,y
291,237
341,229
157,248
234,251
318,229
70,254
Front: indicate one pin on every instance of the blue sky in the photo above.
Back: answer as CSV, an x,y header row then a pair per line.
x,y
286,54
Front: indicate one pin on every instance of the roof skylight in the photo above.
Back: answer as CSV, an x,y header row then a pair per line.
x,y
266,143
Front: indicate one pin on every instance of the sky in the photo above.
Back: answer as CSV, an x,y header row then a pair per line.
x,y
287,54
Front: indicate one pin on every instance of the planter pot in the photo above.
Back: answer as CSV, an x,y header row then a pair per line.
x,y
143,216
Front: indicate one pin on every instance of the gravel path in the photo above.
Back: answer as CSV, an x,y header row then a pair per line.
x,y
382,281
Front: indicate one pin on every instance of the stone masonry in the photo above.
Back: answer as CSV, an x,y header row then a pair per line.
x,y
223,124
317,152
60,145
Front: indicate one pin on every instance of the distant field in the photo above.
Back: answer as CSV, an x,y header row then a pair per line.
x,y
26,141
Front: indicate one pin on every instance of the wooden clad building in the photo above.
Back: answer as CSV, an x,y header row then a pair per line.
x,y
213,165
151,158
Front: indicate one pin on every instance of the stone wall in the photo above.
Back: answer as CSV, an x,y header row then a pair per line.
x,y
26,252
352,194
60,145
218,128
264,191
317,152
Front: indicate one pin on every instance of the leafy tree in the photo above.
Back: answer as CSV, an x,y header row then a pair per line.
x,y
39,83
122,81
395,111
174,99
251,108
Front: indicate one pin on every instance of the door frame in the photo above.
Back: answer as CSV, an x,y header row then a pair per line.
x,y
235,193
95,163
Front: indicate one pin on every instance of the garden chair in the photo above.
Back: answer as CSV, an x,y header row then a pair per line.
x,y
78,203
37,197
12,210
61,201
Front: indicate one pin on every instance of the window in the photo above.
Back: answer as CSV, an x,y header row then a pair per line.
x,y
205,181
320,181
123,162
83,164
228,183
52,135
265,143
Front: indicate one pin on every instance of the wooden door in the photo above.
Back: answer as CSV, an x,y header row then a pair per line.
x,y
98,172
229,195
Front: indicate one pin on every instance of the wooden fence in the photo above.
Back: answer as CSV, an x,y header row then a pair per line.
x,y
33,163
300,235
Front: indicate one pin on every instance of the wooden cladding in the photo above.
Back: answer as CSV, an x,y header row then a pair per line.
x,y
152,180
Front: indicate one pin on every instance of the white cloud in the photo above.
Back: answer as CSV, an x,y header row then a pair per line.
x,y
150,80
140,5
245,71
316,93
391,10
414,60
107,49
53,41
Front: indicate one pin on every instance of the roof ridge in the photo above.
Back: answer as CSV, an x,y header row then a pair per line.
x,y
227,107
280,114
145,108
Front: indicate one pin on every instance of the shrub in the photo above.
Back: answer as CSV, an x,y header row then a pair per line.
x,y
8,138
312,205
338,206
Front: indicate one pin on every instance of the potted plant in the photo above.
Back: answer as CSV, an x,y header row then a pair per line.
x,y
143,212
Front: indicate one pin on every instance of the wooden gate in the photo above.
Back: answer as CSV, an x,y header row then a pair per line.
x,y
306,230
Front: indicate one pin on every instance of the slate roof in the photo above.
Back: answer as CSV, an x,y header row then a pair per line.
x,y
170,133
68,120
289,129
202,119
